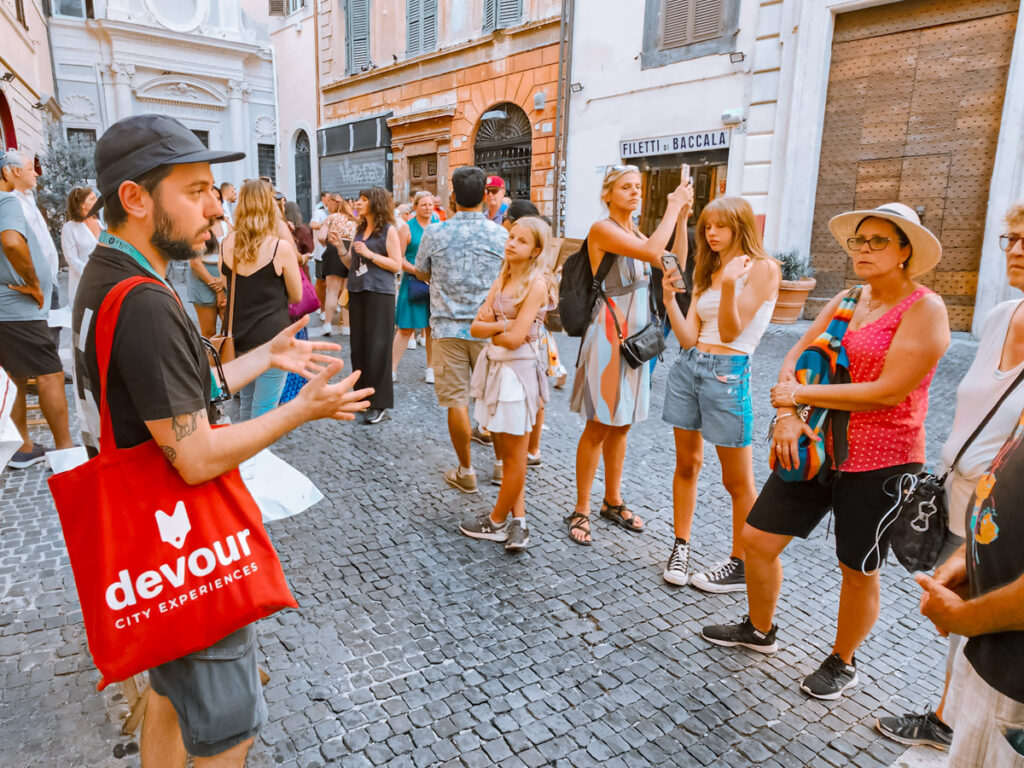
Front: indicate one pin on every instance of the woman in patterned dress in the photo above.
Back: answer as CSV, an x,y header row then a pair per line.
x,y
607,392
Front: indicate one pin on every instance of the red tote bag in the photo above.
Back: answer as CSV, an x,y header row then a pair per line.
x,y
162,568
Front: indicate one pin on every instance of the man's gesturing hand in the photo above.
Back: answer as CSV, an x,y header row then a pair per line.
x,y
321,400
297,356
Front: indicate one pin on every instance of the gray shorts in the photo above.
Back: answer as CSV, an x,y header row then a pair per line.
x,y
198,291
710,394
216,693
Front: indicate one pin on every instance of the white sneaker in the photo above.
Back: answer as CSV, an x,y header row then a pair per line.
x,y
322,316
429,376
394,377
411,344
677,570
346,331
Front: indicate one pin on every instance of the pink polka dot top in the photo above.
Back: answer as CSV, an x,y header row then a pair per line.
x,y
889,436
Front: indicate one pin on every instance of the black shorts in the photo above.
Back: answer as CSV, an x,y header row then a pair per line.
x,y
319,274
859,500
27,349
333,265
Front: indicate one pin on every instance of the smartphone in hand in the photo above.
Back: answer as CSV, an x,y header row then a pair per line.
x,y
684,172
670,262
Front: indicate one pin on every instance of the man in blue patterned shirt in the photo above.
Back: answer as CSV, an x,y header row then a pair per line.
x,y
460,258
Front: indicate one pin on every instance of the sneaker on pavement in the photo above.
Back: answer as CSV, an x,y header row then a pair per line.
x,y
726,576
346,331
429,376
322,316
482,527
534,461
394,377
482,437
518,535
916,730
376,415
411,344
463,482
830,679
499,473
25,459
742,634
677,570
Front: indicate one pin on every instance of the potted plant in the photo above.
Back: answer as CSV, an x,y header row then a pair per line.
x,y
797,284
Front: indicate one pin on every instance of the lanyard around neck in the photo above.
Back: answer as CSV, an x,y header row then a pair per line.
x,y
113,241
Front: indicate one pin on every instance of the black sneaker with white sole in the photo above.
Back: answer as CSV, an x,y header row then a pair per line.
x,y
482,527
726,576
518,535
830,679
25,459
376,415
678,567
916,730
744,634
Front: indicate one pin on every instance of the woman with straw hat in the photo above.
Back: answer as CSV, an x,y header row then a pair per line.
x,y
897,333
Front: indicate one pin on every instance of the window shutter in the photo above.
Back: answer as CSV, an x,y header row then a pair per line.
x,y
357,52
429,25
490,15
277,7
414,27
509,12
707,19
676,23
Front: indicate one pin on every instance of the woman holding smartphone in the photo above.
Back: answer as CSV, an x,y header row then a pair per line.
x,y
707,394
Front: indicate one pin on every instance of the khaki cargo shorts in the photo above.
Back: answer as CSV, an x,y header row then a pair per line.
x,y
453,363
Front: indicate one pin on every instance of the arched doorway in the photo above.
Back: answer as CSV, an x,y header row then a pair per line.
x,y
7,138
504,147
303,175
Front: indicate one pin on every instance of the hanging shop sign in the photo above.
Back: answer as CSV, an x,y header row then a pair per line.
x,y
680,142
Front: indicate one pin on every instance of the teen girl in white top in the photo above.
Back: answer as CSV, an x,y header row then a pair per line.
x,y
707,394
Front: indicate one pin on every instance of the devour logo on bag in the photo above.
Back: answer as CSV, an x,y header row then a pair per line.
x,y
169,578
174,528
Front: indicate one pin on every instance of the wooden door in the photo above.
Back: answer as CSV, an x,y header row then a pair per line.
x,y
423,174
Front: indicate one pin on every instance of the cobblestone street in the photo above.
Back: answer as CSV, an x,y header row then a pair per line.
x,y
414,645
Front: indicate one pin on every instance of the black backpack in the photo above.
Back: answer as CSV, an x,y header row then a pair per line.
x,y
578,290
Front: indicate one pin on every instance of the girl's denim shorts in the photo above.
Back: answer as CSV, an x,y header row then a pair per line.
x,y
710,394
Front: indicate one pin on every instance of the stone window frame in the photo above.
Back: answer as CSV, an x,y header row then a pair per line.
x,y
654,55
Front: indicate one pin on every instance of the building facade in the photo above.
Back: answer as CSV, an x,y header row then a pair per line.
x,y
412,89
203,62
27,104
808,108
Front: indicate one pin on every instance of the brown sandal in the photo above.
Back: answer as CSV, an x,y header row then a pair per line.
x,y
614,512
576,522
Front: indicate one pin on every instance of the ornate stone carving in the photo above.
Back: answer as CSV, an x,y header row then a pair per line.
x,y
238,89
266,127
78,106
181,89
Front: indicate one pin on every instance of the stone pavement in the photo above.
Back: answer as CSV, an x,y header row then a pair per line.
x,y
417,646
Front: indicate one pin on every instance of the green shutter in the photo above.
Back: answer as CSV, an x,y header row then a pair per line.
x,y
357,35
429,25
490,15
413,27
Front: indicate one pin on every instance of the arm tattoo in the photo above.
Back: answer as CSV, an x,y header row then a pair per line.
x,y
184,426
170,453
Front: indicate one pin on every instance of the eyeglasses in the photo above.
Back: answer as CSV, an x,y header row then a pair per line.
x,y
875,243
1006,242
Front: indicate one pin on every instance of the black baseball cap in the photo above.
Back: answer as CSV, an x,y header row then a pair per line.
x,y
138,144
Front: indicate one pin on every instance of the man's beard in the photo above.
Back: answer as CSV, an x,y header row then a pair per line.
x,y
170,244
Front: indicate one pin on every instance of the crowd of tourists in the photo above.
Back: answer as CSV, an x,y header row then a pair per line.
x,y
482,285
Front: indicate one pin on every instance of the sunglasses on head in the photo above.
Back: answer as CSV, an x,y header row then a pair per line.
x,y
620,169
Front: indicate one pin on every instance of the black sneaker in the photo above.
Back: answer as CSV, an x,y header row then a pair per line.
x,y
482,527
677,570
744,634
830,679
25,459
518,535
914,730
727,576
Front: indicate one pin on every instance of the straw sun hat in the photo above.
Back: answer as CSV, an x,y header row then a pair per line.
x,y
925,249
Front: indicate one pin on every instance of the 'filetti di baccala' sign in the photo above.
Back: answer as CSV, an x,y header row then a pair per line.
x,y
680,142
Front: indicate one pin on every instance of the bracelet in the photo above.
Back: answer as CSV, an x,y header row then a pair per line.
x,y
792,395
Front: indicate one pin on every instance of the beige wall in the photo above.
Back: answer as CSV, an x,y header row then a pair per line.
x,y
26,53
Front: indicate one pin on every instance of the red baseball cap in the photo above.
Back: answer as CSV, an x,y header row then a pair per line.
x,y
495,181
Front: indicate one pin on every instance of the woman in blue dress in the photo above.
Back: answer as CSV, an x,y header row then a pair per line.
x,y
412,310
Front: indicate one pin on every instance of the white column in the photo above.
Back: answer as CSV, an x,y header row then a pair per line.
x,y
1005,188
237,135
122,73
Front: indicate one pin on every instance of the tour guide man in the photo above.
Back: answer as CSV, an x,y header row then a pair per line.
x,y
155,181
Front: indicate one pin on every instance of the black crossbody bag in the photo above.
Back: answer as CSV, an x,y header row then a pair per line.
x,y
645,344
922,513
